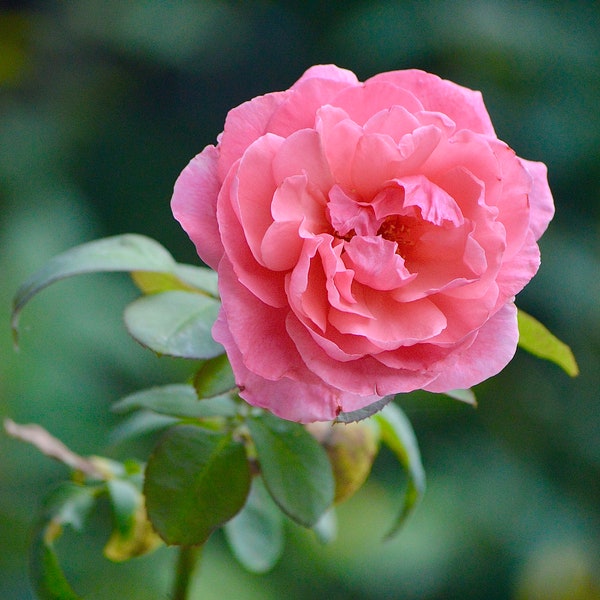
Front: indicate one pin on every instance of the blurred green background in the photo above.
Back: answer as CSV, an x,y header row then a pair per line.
x,y
102,103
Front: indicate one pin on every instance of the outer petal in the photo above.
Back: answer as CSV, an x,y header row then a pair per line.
x,y
194,204
258,329
515,274
245,124
301,105
264,283
540,197
252,195
492,350
332,72
464,106
306,400
364,101
365,377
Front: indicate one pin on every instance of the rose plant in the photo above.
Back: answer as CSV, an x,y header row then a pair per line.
x,y
369,239
364,240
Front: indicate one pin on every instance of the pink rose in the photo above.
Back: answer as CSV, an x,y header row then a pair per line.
x,y
369,239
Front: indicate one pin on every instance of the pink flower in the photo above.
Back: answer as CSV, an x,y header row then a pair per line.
x,y
369,239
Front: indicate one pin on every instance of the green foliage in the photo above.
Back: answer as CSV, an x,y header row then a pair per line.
x,y
398,435
214,377
364,413
68,505
181,277
196,481
175,323
140,423
177,400
124,498
127,252
535,338
132,532
256,534
294,466
467,396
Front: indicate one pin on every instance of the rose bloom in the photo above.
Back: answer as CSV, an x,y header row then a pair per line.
x,y
369,239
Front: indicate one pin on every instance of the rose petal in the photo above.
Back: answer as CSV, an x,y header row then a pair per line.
x,y
330,71
464,315
244,125
300,201
299,212
433,202
281,246
302,154
491,351
375,263
395,121
254,190
194,204
348,215
339,138
464,106
305,400
363,101
518,272
365,377
375,161
266,284
393,324
258,329
540,197
300,106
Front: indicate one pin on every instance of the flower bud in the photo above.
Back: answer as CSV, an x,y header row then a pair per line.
x,y
351,448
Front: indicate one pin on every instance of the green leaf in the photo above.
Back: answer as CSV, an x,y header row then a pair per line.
x,y
535,338
175,323
214,377
69,504
295,468
195,481
120,253
139,423
178,400
124,499
326,527
398,435
47,575
181,277
150,282
255,535
467,396
199,278
364,413
133,534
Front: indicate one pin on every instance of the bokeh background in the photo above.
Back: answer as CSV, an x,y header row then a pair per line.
x,y
103,102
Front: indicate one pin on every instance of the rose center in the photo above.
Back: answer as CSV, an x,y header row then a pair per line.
x,y
405,231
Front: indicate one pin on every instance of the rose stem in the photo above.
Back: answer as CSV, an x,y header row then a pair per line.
x,y
186,564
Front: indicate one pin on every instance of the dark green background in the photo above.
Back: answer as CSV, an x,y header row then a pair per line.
x,y
102,103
